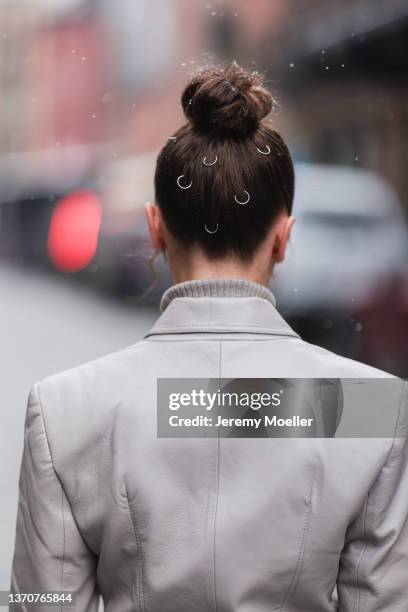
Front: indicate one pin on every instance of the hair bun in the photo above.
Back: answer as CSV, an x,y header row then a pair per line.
x,y
226,101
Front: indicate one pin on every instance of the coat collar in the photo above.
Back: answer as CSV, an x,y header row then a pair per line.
x,y
216,287
220,306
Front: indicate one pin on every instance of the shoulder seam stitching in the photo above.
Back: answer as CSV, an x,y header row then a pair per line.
x,y
141,594
37,391
389,453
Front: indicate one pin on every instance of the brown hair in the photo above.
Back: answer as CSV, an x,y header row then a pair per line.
x,y
225,108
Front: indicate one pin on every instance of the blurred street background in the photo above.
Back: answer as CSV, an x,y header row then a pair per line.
x,y
90,92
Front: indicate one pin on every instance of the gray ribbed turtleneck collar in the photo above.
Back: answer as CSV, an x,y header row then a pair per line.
x,y
216,287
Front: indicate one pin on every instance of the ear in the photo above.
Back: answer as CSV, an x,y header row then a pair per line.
x,y
282,238
155,223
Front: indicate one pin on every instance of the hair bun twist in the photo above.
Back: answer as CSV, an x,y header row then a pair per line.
x,y
226,101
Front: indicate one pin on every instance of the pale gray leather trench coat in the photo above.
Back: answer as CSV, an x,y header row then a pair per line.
x,y
200,525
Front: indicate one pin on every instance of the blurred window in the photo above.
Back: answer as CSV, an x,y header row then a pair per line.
x,y
223,36
144,38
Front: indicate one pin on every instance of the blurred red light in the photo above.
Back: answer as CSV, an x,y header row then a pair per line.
x,y
73,231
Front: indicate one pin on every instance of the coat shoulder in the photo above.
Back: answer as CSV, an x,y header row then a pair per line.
x,y
99,372
79,403
325,360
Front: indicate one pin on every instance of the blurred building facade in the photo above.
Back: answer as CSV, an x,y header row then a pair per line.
x,y
343,66
111,72
18,22
97,72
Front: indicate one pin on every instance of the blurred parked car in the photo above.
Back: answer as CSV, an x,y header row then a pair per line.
x,y
31,187
349,237
349,247
123,260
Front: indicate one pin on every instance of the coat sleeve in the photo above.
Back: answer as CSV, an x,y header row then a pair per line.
x,y
50,553
373,571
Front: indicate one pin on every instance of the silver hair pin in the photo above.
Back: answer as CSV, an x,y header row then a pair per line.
x,y
267,152
172,138
242,203
210,163
211,231
183,186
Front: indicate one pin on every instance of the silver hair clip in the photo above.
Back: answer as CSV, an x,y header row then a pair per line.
x,y
210,163
172,138
267,152
245,201
211,231
183,186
